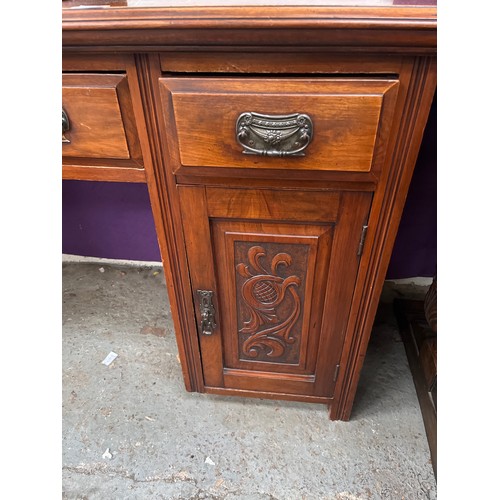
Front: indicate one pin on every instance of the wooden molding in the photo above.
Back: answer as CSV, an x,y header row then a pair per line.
x,y
386,213
108,174
394,29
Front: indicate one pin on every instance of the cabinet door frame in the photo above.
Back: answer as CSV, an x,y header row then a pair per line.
x,y
347,212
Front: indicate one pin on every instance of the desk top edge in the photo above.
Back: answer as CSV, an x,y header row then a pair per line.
x,y
270,14
391,26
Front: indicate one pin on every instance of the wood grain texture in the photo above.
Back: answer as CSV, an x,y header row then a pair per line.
x,y
96,126
202,276
91,62
274,179
266,204
349,128
227,391
166,212
103,173
298,288
358,29
412,324
210,214
202,4
270,304
419,82
430,305
280,290
310,63
104,142
343,271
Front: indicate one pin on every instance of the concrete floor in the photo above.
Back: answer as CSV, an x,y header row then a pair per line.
x,y
131,431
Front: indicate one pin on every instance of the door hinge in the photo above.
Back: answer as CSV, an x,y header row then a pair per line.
x,y
362,240
336,374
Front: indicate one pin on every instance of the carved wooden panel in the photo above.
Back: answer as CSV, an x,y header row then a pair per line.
x,y
270,300
271,286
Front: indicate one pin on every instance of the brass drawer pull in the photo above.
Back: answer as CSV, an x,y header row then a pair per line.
x,y
274,135
65,126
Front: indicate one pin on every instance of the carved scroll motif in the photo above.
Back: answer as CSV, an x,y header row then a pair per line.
x,y
263,293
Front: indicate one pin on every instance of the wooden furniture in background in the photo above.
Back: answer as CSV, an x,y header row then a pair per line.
x,y
274,261
417,321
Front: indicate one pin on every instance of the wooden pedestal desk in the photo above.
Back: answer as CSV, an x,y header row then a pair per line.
x,y
277,144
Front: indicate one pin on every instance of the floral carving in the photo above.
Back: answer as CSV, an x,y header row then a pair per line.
x,y
263,293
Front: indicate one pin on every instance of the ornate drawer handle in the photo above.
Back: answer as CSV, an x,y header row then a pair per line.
x,y
274,135
65,126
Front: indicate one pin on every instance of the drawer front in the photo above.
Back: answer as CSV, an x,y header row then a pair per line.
x,y
100,121
290,124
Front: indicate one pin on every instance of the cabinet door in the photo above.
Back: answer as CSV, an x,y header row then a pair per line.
x,y
281,267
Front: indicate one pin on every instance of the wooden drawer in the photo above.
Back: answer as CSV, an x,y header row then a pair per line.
x,y
349,125
101,128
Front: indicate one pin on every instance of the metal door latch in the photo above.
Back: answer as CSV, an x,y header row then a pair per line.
x,y
207,312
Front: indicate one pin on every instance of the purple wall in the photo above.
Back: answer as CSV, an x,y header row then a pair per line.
x,y
108,219
415,249
114,220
